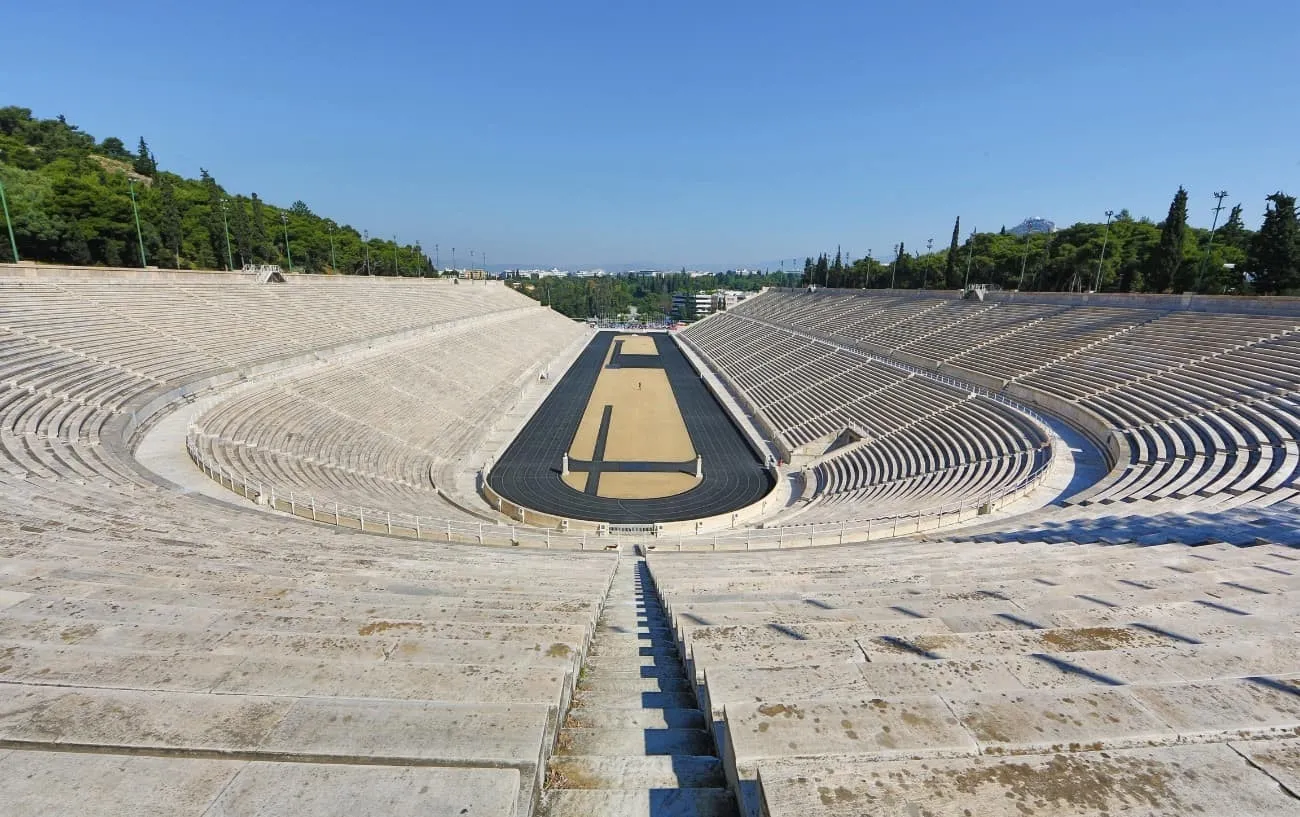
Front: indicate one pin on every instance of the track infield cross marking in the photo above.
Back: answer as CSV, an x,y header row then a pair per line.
x,y
632,442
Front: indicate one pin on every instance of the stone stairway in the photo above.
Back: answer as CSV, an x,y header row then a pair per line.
x,y
635,743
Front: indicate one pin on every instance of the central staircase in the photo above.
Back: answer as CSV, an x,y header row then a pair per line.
x,y
635,743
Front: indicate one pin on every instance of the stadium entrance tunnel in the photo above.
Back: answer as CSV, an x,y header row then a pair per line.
x,y
630,436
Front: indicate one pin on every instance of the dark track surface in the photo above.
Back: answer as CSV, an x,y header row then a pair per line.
x,y
529,471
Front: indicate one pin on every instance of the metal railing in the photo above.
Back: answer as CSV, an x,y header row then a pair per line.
x,y
436,528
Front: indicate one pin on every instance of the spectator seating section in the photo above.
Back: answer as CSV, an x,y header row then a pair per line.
x,y
164,653
1208,404
374,432
923,443
1004,678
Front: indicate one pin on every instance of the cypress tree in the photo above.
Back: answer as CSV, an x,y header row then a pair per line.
x,y
241,232
1233,232
1274,257
215,222
261,243
1168,255
144,163
170,226
950,269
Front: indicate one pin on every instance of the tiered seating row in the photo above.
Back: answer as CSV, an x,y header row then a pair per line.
x,y
145,624
1206,402
369,433
903,674
928,444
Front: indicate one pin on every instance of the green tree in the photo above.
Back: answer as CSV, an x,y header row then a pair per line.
x,y
241,231
113,148
1233,233
261,242
144,163
1274,259
950,276
170,225
1167,260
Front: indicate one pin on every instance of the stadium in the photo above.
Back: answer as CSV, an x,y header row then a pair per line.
x,y
310,544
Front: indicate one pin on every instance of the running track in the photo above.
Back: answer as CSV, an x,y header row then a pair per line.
x,y
529,471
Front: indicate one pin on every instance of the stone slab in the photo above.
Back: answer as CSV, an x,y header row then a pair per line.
x,y
9,598
464,651
1278,758
912,726
726,685
947,677
807,631
129,718
1243,707
791,654
1164,782
41,784
107,635
1009,642
459,683
329,790
484,735
82,666
1052,720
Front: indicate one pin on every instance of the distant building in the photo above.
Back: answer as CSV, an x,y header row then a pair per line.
x,y
727,299
1033,224
692,306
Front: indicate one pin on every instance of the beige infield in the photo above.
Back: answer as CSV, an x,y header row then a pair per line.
x,y
645,425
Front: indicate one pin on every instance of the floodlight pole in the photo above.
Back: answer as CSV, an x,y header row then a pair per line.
x,y
13,244
1218,208
419,260
1096,285
366,245
925,273
225,221
138,233
284,219
1024,261
893,268
437,259
970,255
395,272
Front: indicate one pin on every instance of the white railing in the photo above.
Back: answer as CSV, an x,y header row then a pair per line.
x,y
435,528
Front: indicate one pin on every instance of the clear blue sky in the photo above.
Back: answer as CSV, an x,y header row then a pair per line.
x,y
684,132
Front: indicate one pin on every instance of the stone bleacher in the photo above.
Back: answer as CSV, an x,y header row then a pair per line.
x,y
917,444
376,432
1007,678
1204,405
163,653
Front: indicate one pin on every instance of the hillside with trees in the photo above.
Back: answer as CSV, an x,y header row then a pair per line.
x,y
1125,255
70,200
